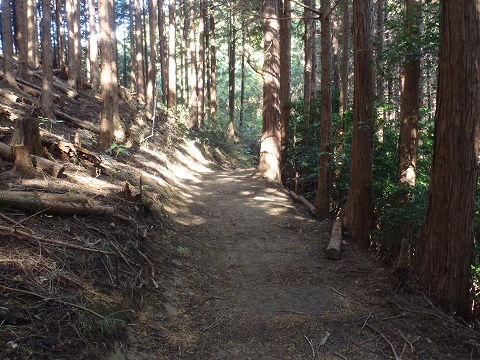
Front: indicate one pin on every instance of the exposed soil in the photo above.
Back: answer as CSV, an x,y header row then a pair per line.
x,y
251,282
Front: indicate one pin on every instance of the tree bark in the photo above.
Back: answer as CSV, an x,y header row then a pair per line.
x,y
152,66
32,33
232,34
213,67
201,65
445,246
309,37
74,42
322,199
163,52
7,42
172,65
269,164
358,210
139,53
192,77
22,42
60,34
94,73
47,62
334,248
345,58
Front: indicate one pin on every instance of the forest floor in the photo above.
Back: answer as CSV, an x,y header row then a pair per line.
x,y
199,260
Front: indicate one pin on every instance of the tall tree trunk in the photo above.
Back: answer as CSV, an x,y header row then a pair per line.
x,y
152,66
232,34
445,246
213,66
139,52
94,74
358,210
242,76
109,116
308,68
322,200
172,64
59,4
7,42
133,62
163,50
193,70
22,42
285,79
410,97
379,54
47,61
269,164
201,64
344,66
74,44
33,45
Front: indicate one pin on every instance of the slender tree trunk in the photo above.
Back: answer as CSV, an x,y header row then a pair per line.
x,y
139,52
242,78
93,47
231,75
193,70
109,116
344,66
201,65
59,4
47,61
308,69
7,42
74,45
379,50
269,164
22,42
313,73
133,62
32,33
410,98
172,65
213,67
358,210
152,66
322,200
445,247
163,50
285,79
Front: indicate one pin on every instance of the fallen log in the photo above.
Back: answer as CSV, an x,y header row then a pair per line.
x,y
32,89
48,166
50,204
77,122
17,99
304,201
334,248
59,84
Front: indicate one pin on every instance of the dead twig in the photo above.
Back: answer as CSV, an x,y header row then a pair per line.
x,y
45,298
338,292
310,342
412,349
397,357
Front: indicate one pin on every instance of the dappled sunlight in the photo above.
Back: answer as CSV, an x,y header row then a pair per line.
x,y
96,184
191,163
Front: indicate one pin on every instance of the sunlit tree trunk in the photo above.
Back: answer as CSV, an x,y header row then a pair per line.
x,y
358,210
94,70
269,164
74,45
152,66
285,79
133,62
22,40
139,52
309,39
7,42
232,34
213,66
322,199
242,78
193,70
60,32
47,61
201,64
32,33
163,50
445,246
109,116
172,64
410,97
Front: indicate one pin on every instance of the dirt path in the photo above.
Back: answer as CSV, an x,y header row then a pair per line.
x,y
251,282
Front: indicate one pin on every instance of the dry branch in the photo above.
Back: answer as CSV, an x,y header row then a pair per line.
x,y
301,199
59,84
335,246
77,122
50,204
48,166
17,99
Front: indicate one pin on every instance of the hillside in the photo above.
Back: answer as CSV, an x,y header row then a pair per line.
x,y
198,259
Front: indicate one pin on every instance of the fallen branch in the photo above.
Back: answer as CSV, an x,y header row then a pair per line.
x,y
334,248
77,122
17,99
397,357
51,204
301,199
48,166
54,299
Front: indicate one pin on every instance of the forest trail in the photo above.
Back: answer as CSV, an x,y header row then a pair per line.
x,y
251,282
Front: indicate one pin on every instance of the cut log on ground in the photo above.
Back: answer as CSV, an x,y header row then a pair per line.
x,y
33,202
49,167
77,122
335,246
304,201
17,99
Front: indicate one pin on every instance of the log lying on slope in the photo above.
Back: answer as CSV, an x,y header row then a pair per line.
x,y
54,204
49,167
304,201
335,246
